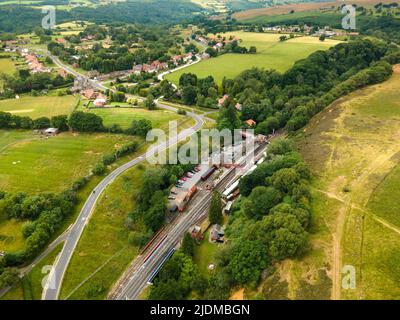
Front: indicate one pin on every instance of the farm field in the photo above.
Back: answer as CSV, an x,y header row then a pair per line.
x,y
33,164
352,150
7,66
42,106
271,54
124,116
103,252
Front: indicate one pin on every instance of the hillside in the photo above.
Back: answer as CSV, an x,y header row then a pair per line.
x,y
350,148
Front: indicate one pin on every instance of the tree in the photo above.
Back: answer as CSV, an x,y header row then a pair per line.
x,y
268,126
215,215
282,234
140,127
188,245
167,89
41,123
253,50
228,118
60,122
188,79
322,37
189,94
280,147
85,122
260,201
149,102
285,180
248,260
8,278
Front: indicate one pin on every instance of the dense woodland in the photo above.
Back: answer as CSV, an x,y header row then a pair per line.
x,y
23,19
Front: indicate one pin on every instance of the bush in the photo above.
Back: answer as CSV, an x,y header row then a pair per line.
x,y
99,169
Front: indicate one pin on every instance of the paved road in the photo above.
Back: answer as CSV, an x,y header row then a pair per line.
x,y
135,280
52,289
96,84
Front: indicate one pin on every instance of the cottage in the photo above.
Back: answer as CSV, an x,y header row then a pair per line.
x,y
250,122
89,94
217,234
222,100
62,73
61,40
99,102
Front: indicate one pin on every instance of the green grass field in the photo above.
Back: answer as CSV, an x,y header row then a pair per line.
x,y
7,66
124,116
103,252
354,155
35,164
42,106
204,254
271,54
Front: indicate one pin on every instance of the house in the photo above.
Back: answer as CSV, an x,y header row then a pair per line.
x,y
61,40
137,69
148,68
157,65
99,102
195,232
238,107
250,122
182,58
222,100
217,234
62,73
89,94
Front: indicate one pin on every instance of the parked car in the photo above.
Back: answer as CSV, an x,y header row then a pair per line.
x,y
171,198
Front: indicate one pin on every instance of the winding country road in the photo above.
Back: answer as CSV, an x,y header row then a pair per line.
x,y
55,278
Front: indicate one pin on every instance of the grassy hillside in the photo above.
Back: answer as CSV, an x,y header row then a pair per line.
x,y
352,150
271,53
125,116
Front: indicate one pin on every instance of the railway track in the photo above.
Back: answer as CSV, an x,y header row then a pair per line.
x,y
135,279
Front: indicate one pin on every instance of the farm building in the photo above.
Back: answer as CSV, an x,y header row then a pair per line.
x,y
51,131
